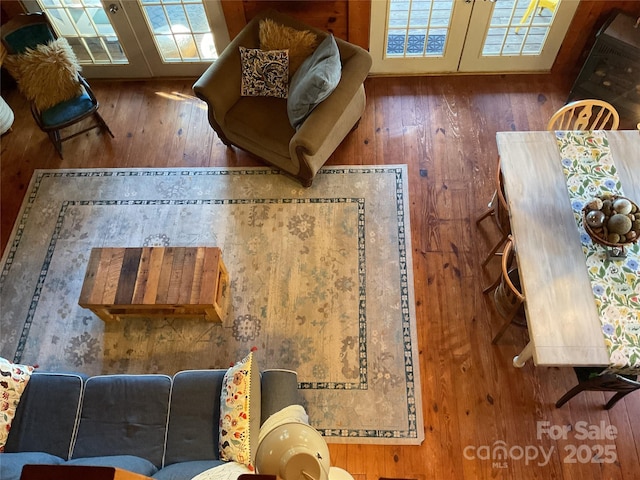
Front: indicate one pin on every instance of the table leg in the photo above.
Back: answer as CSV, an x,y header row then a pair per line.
x,y
526,354
213,314
104,315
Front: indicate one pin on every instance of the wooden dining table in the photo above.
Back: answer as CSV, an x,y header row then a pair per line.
x,y
563,321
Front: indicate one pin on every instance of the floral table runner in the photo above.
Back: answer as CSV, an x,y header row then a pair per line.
x,y
590,172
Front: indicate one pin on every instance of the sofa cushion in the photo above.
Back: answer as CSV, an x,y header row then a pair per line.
x,y
11,463
194,416
46,415
14,380
186,470
130,463
68,110
264,73
124,415
240,411
260,123
314,81
299,43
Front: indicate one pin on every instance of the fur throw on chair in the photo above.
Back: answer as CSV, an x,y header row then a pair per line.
x,y
48,74
299,43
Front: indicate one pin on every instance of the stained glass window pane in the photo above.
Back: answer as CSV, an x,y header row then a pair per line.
x,y
418,28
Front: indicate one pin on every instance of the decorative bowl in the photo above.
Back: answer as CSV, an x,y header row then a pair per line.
x,y
612,220
293,451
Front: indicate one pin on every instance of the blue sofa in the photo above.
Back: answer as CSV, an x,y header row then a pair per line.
x,y
163,427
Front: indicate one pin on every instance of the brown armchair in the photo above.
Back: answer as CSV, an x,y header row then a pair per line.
x,y
260,125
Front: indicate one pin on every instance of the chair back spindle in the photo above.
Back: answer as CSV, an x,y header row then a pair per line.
x,y
585,115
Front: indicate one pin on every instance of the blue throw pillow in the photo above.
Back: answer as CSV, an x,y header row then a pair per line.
x,y
11,463
130,463
314,81
186,470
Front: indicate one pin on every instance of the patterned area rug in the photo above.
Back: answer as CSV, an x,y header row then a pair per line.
x,y
321,283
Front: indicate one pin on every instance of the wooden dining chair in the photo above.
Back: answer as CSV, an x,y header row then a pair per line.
x,y
585,115
498,209
507,296
597,380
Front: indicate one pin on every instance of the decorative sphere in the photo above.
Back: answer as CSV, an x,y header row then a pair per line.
x,y
595,218
595,204
622,205
613,238
619,223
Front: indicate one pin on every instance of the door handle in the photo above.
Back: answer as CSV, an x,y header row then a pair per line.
x,y
113,8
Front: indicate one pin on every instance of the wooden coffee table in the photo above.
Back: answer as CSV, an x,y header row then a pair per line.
x,y
156,281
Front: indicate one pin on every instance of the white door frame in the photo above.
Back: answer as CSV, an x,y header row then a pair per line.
x,y
136,40
472,60
448,62
463,51
157,66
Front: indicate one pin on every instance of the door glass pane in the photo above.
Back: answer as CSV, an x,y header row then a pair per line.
x,y
167,45
180,30
83,21
157,19
418,28
519,27
61,21
85,24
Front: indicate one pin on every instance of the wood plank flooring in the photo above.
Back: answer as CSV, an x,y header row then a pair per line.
x,y
444,128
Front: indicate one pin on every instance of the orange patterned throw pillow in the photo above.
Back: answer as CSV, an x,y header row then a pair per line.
x,y
13,380
240,412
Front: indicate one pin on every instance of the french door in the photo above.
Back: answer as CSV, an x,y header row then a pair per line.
x,y
444,36
139,38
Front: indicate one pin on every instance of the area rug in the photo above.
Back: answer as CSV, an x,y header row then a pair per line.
x,y
321,283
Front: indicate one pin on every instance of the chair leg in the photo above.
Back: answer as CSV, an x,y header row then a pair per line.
x,y
54,136
493,286
528,12
103,124
495,249
502,330
613,400
486,214
570,394
490,209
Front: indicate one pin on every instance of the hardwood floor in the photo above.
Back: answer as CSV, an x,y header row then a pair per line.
x,y
444,129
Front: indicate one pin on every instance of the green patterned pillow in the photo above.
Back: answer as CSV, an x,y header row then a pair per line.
x,y
13,381
240,412
264,73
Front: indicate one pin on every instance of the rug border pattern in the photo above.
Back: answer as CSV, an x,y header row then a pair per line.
x,y
414,428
